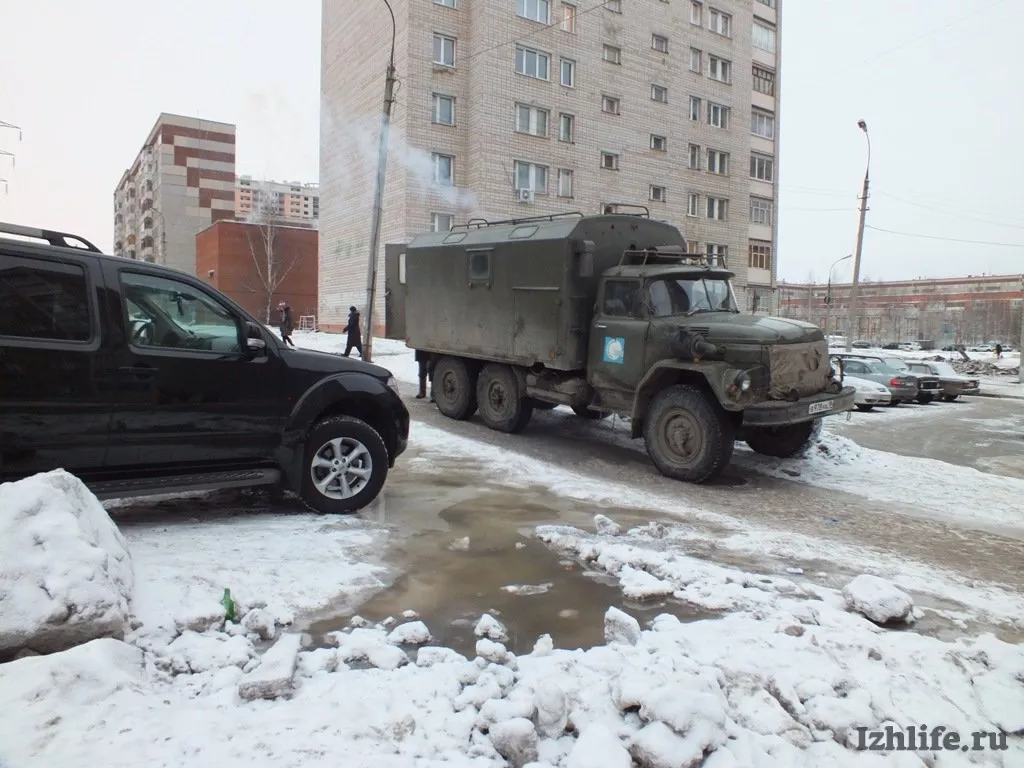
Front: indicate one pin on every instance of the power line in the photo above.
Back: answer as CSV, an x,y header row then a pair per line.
x,y
946,239
540,31
947,212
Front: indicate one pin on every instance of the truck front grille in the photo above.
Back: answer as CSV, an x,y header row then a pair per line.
x,y
798,369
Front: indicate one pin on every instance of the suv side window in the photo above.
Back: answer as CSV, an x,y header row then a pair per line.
x,y
164,313
44,300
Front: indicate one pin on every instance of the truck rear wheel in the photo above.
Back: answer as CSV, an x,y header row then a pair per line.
x,y
502,406
687,438
782,442
454,389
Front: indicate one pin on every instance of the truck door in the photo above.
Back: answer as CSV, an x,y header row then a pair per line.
x,y
394,291
618,337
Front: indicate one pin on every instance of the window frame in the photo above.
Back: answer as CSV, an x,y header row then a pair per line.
x,y
724,67
663,192
658,138
478,279
538,54
615,158
613,51
533,120
768,162
659,89
65,266
716,208
442,37
562,61
532,173
435,158
764,208
767,117
434,215
724,115
522,11
606,99
566,173
764,255
436,99
656,39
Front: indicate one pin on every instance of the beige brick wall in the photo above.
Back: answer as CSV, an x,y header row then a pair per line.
x,y
485,144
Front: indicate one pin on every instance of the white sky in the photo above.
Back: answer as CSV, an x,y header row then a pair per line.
x,y
86,80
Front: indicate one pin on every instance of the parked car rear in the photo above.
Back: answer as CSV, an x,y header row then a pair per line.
x,y
902,387
953,384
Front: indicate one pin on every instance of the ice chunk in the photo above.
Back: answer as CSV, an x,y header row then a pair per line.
x,y
491,628
605,526
544,646
410,633
878,599
430,656
193,652
515,740
492,651
274,677
317,660
620,627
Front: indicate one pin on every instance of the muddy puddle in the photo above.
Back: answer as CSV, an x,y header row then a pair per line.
x,y
487,561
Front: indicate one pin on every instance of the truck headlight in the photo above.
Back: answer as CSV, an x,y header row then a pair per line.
x,y
743,381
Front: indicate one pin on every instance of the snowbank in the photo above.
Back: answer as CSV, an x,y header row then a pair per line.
x,y
65,572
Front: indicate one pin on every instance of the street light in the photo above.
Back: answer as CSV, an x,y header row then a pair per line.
x,y
852,319
378,194
828,293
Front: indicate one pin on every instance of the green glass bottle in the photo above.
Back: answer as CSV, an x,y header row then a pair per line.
x,y
229,605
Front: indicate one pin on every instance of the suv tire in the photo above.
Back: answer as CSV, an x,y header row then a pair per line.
x,y
350,449
687,437
453,388
500,401
782,442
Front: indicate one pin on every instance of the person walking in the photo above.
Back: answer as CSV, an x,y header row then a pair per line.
x,y
355,339
425,360
287,323
999,351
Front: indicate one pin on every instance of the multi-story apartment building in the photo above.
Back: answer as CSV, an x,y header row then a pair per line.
x,y
292,200
531,107
182,180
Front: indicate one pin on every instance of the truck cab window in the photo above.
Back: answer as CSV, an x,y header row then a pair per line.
x,y
620,298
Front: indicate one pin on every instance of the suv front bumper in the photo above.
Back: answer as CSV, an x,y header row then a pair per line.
x,y
775,413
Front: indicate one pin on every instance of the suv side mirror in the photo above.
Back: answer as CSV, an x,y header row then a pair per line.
x,y
255,344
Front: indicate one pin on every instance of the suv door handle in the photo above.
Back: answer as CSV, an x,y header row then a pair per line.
x,y
138,370
602,327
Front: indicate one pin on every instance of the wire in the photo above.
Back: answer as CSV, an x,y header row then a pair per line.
x,y
532,36
819,210
953,213
946,239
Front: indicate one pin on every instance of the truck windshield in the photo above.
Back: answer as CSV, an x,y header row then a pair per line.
x,y
669,296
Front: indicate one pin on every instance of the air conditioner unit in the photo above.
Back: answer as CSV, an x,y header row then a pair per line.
x,y
525,195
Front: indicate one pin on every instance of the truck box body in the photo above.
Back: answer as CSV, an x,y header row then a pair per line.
x,y
520,293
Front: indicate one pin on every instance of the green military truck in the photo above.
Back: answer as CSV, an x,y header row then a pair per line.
x,y
608,314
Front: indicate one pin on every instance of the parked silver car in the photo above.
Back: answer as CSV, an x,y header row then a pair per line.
x,y
902,386
952,383
928,387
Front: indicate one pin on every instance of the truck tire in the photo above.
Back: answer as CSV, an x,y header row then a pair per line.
x,y
502,406
782,442
345,466
687,437
454,389
585,413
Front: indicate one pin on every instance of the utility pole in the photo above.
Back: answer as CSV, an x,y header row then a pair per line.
x,y
828,292
852,320
378,192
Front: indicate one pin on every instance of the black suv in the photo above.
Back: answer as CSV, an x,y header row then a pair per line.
x,y
141,379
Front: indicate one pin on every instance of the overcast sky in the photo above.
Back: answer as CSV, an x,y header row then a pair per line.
x,y
933,78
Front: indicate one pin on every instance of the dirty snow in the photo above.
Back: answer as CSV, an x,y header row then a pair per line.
x,y
878,599
65,573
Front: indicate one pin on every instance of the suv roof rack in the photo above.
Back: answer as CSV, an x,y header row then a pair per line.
x,y
54,238
610,208
480,223
664,254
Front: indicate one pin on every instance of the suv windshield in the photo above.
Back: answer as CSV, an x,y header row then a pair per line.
x,y
669,296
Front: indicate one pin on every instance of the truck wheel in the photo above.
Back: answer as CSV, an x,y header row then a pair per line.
x,y
782,442
864,407
346,464
585,413
453,389
502,406
687,438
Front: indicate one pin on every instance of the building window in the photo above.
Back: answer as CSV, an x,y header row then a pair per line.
x,y
441,222
568,73
717,208
693,246
658,194
659,143
610,105
719,69
612,54
717,254
762,124
696,13
659,43
764,80
564,182
762,167
762,211
694,157
659,93
769,3
764,37
534,10
718,162
531,176
760,255
444,109
444,50
720,23
569,18
615,6
532,120
444,169
532,63
718,115
566,128
610,161
695,108
696,57
445,3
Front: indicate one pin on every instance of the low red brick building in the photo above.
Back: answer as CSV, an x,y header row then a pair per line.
x,y
232,257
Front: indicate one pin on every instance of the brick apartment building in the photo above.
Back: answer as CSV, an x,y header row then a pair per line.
x,y
967,310
293,200
515,108
181,181
224,257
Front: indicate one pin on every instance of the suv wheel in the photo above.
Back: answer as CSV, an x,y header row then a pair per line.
x,y
782,442
686,436
454,389
346,465
502,405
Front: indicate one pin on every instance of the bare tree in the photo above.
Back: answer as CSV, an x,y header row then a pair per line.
x,y
272,263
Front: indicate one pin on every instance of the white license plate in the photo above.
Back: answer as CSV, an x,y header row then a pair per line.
x,y
819,407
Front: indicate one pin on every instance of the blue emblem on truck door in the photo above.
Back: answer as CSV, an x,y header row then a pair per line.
x,y
614,349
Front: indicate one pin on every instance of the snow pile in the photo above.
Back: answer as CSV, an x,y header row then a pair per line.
x,y
878,599
65,573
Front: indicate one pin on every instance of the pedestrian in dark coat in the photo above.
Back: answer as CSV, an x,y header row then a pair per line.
x,y
287,323
999,351
425,361
355,339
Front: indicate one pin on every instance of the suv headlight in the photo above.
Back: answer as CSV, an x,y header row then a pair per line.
x,y
393,385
